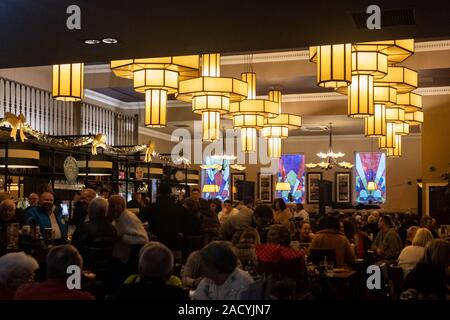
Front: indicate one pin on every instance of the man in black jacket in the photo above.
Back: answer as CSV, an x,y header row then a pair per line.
x,y
165,219
80,207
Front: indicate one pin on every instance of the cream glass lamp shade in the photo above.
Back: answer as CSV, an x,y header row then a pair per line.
x,y
389,140
250,78
334,65
186,66
414,118
155,79
249,139
410,101
248,120
384,95
396,50
275,131
211,125
275,95
274,147
283,186
219,103
395,114
68,82
369,62
375,126
402,128
155,108
401,78
360,96
397,151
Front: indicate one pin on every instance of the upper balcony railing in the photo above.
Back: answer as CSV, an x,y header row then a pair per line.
x,y
58,118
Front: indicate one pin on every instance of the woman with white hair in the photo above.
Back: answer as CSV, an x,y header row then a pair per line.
x,y
427,281
16,269
411,255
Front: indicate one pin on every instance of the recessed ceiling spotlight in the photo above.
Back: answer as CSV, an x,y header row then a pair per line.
x,y
109,40
92,41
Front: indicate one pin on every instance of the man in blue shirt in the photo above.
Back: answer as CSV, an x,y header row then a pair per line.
x,y
46,215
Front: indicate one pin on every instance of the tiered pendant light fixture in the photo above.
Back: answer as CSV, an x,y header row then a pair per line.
x,y
277,128
211,95
376,125
157,78
248,115
380,91
68,82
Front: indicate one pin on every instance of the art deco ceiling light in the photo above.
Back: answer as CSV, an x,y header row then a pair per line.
x,y
389,140
248,115
402,128
395,114
157,78
410,101
277,128
334,64
414,118
330,157
397,151
211,95
397,50
68,82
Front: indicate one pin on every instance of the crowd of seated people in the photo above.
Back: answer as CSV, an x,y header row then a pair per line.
x,y
208,249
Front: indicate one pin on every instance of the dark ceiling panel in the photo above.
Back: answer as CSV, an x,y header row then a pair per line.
x,y
34,32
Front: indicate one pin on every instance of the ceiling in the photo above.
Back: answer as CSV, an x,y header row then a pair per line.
x,y
293,74
34,33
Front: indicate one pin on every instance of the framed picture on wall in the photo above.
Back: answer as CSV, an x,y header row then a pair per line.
x,y
235,177
265,187
312,182
343,187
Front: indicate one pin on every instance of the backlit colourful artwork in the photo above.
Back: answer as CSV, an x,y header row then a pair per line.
x,y
370,166
291,169
217,177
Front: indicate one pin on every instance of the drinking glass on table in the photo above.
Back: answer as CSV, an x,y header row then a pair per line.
x,y
329,270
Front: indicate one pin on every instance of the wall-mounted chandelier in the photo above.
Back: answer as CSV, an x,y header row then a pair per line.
x,y
330,158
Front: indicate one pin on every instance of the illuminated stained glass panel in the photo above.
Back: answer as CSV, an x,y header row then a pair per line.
x,y
291,169
217,177
370,166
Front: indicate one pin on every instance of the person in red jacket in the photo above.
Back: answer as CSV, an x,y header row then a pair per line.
x,y
55,287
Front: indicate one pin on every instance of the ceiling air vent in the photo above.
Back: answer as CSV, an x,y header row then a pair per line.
x,y
389,18
181,126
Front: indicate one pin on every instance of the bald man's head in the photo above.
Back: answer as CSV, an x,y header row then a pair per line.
x,y
116,205
7,210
